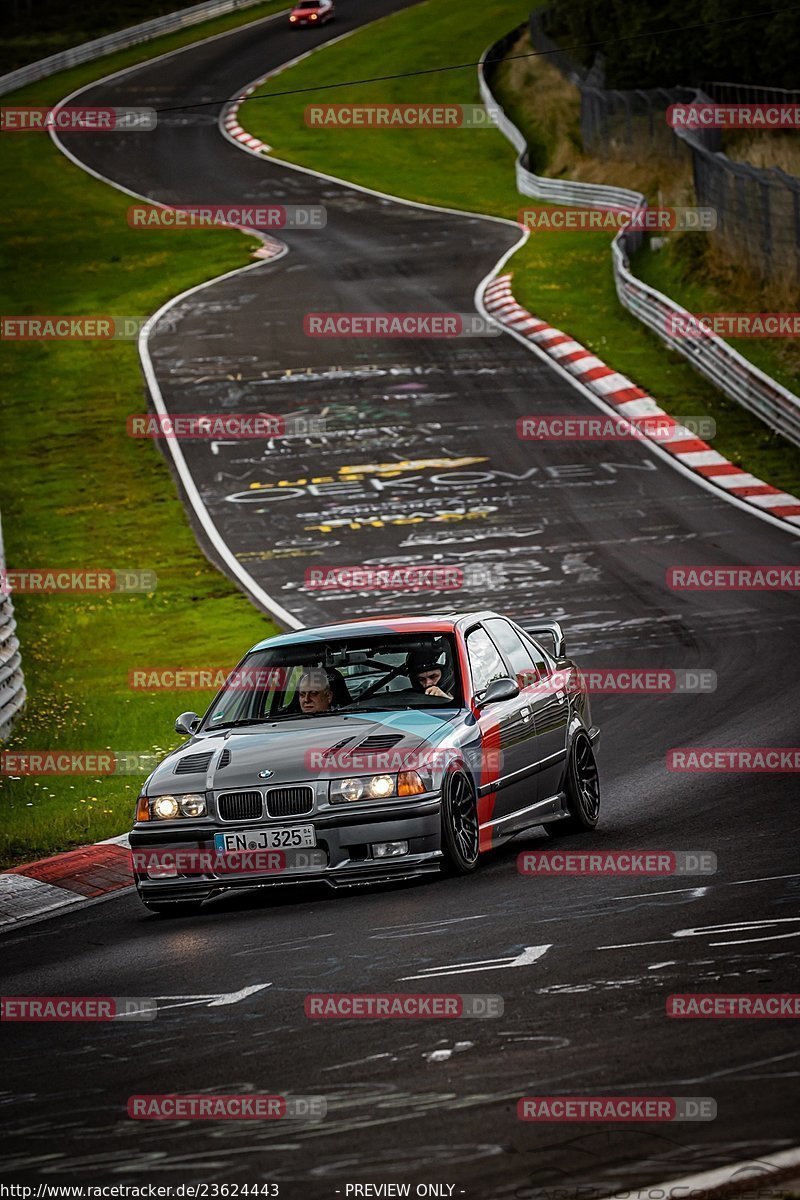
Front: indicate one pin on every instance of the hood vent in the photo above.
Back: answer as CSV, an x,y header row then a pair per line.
x,y
192,764
339,746
224,759
381,741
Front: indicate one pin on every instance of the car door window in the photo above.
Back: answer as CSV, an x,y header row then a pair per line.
x,y
485,663
544,664
524,666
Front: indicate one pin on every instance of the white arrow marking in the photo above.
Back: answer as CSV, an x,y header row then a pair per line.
x,y
529,955
743,927
213,999
734,927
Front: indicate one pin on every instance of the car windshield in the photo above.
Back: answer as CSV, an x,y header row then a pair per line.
x,y
355,675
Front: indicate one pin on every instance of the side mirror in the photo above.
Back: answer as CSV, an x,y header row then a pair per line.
x,y
499,689
187,723
551,629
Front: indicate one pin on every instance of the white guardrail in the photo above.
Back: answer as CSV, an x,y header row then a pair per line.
x,y
120,40
12,684
710,355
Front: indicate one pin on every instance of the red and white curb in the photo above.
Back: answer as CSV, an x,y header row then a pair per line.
x,y
635,405
230,123
64,881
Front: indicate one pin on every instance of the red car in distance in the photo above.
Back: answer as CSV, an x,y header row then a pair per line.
x,y
311,12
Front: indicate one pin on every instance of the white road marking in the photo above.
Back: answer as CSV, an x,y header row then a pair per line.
x,y
733,927
631,945
742,927
666,892
359,1062
213,999
443,1055
420,929
764,879
529,955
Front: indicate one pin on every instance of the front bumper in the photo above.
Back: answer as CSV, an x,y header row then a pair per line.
x,y
344,837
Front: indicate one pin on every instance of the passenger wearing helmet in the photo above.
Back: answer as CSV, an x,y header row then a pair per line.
x,y
428,671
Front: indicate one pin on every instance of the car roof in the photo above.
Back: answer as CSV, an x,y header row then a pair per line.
x,y
425,623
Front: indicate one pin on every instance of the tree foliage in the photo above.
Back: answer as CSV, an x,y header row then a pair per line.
x,y
760,50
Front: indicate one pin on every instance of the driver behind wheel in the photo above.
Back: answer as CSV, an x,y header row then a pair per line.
x,y
315,692
428,671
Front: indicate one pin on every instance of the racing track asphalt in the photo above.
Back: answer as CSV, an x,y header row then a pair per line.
x,y
584,533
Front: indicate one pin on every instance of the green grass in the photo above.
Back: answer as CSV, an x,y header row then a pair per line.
x,y
76,491
700,282
51,26
564,278
54,88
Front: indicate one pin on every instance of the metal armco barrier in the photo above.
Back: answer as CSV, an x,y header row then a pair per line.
x,y
120,40
12,684
728,370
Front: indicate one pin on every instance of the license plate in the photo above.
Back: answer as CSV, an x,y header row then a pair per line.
x,y
286,837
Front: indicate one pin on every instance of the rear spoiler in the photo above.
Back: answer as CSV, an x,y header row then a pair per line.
x,y
551,629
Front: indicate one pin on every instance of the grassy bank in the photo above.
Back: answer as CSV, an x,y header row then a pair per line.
x,y
689,268
52,26
563,277
76,491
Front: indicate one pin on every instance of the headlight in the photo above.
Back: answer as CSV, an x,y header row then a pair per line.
x,y
377,787
168,808
370,787
193,805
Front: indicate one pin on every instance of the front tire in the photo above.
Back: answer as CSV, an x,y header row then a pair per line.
x,y
582,786
460,837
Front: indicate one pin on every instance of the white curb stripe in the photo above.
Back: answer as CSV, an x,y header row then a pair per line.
x,y
773,501
641,408
701,458
609,388
736,481
565,348
607,384
679,434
